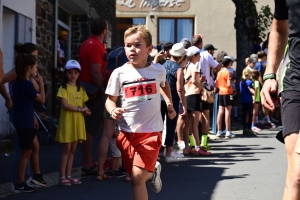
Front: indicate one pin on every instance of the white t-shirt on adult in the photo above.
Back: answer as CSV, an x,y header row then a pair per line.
x,y
205,63
139,89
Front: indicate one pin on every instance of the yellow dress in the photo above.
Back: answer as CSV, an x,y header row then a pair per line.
x,y
71,126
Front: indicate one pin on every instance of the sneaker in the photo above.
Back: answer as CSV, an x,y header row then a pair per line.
x,y
37,179
23,187
249,133
254,128
187,151
29,183
201,152
115,173
220,135
206,147
155,183
230,135
173,159
181,145
174,154
13,189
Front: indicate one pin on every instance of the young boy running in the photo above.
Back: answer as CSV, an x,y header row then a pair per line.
x,y
138,83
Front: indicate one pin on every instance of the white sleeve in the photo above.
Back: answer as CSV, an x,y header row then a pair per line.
x,y
114,86
212,63
163,82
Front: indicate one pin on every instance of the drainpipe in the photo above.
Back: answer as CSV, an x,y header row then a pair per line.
x,y
54,53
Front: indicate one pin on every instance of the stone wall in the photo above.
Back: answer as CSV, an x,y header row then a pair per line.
x,y
44,42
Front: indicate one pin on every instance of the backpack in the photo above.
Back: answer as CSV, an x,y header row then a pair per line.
x,y
116,58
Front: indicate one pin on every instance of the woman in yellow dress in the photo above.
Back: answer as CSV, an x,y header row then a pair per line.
x,y
71,128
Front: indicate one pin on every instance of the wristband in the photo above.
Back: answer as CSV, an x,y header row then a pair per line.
x,y
269,76
78,109
112,111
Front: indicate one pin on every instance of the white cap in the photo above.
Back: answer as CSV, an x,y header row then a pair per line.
x,y
178,50
73,64
192,51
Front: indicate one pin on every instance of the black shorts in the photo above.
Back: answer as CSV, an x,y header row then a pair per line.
x,y
206,106
193,102
225,100
26,137
290,112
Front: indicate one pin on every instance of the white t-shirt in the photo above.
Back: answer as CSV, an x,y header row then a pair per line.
x,y
139,89
61,51
205,63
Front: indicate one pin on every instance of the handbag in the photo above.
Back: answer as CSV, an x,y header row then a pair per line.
x,y
208,96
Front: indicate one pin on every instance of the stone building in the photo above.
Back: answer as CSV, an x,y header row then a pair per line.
x,y
39,22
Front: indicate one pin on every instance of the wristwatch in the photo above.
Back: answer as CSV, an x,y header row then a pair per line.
x,y
78,109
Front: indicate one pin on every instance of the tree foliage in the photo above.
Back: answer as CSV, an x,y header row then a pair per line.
x,y
264,20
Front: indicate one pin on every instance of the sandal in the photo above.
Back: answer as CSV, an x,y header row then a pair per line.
x,y
74,181
64,182
102,177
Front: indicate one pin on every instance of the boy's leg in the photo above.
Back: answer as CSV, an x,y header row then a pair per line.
x,y
219,118
34,158
195,123
139,177
25,154
227,117
109,126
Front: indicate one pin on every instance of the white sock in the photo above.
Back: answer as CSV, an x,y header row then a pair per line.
x,y
219,132
228,133
197,148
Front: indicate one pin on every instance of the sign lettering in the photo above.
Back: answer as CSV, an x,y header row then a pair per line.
x,y
152,5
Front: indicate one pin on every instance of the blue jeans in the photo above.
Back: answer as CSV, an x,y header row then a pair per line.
x,y
170,123
17,156
215,116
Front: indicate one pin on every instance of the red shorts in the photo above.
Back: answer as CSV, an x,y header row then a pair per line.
x,y
139,149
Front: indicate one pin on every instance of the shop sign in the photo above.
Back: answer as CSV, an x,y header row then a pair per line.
x,y
152,5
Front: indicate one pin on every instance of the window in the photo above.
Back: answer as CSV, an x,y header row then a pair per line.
x,y
123,24
63,24
173,30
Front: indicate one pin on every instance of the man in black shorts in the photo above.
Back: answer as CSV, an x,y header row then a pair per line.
x,y
286,25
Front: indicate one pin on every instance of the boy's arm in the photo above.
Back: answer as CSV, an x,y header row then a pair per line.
x,y
166,93
111,107
180,89
9,76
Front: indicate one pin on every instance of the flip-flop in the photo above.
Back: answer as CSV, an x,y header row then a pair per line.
x,y
102,177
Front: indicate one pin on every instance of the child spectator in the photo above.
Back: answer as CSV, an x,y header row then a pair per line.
x,y
193,89
138,83
224,85
246,90
262,57
256,99
23,114
71,129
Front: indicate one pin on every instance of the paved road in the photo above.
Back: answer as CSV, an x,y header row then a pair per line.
x,y
239,169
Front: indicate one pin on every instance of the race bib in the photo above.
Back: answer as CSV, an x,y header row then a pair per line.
x,y
140,90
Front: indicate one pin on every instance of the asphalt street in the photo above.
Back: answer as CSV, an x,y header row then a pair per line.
x,y
238,169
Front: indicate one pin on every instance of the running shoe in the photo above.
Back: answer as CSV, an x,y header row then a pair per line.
x,y
37,179
156,183
174,154
220,135
201,152
187,151
230,135
254,128
249,133
23,187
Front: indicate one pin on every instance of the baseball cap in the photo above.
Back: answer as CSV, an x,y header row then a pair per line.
x,y
254,56
73,64
192,51
186,43
226,60
209,47
252,60
62,33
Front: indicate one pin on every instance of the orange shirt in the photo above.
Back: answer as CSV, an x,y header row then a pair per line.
x,y
221,82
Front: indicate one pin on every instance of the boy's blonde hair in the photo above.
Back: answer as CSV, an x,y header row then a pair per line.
x,y
142,31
